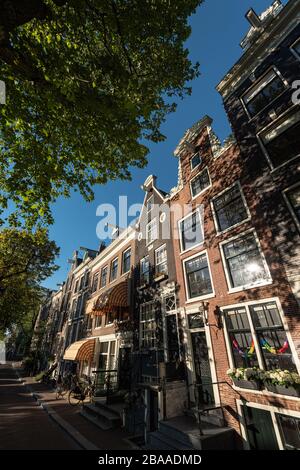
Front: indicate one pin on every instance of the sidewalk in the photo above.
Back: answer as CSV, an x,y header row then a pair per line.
x,y
68,417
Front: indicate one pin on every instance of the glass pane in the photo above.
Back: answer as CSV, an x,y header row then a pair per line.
x,y
243,350
265,315
195,320
296,47
290,431
199,183
276,351
230,208
191,231
104,347
285,146
112,347
237,319
199,283
266,95
195,160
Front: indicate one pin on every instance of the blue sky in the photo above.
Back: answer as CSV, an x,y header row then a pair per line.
x,y
217,29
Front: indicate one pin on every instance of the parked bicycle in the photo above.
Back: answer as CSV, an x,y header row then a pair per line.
x,y
80,392
62,386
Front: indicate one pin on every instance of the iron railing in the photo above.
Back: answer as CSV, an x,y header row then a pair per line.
x,y
105,382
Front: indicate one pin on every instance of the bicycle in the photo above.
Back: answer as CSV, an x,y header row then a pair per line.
x,y
79,392
62,388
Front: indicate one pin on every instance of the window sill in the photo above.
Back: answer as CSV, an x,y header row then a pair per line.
x,y
203,297
249,286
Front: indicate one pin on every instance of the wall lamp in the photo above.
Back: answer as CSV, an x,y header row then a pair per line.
x,y
204,307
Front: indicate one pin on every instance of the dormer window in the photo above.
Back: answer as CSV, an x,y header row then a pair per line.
x,y
195,160
263,92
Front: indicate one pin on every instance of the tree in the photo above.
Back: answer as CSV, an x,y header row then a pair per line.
x,y
88,82
26,258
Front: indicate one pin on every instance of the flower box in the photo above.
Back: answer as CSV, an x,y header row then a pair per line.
x,y
282,390
248,384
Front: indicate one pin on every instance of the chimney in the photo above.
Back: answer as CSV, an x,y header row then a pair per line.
x,y
253,19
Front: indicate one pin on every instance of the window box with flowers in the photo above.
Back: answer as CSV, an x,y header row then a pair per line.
x,y
250,378
283,382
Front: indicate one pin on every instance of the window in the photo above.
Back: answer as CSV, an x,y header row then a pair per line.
x,y
81,283
74,306
191,231
296,48
263,93
170,303
229,208
109,318
98,321
240,337
195,321
290,431
198,276
161,264
126,261
103,279
150,204
195,160
258,324
114,269
87,278
281,141
292,196
244,262
76,285
271,337
200,183
95,282
144,270
151,231
148,325
107,357
78,307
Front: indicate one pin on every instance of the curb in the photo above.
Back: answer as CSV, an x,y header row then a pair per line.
x,y
84,443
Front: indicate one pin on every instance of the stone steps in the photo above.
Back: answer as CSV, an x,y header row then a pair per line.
x,y
102,416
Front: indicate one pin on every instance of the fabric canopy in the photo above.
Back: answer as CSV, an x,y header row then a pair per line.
x,y
113,298
80,351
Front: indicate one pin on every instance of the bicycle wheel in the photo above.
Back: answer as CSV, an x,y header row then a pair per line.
x,y
74,398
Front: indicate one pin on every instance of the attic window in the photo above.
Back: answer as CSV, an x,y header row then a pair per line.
x,y
195,160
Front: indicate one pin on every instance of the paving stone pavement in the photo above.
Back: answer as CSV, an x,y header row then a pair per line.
x,y
32,418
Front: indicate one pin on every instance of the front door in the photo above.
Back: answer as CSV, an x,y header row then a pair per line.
x,y
153,412
204,389
259,428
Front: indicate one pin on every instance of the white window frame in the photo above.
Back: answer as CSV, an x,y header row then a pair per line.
x,y
288,203
99,326
109,340
261,83
273,410
154,223
150,199
259,355
202,297
140,327
293,50
218,231
125,251
164,246
191,159
111,265
180,232
145,257
269,127
197,176
266,282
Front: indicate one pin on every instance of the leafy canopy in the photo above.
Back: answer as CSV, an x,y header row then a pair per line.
x,y
86,81
26,259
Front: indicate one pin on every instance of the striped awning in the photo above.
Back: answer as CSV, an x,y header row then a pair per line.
x,y
113,298
80,350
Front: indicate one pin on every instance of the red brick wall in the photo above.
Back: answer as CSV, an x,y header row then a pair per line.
x,y
224,171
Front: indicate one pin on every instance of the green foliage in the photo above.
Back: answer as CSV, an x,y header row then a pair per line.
x,y
85,84
26,258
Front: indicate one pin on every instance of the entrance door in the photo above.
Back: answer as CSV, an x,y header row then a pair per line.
x,y
260,430
204,389
153,412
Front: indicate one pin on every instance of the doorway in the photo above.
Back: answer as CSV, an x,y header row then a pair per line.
x,y
260,430
204,389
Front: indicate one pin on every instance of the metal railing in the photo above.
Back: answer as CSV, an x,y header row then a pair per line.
x,y
105,382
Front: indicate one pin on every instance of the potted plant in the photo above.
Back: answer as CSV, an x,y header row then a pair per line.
x,y
283,382
250,378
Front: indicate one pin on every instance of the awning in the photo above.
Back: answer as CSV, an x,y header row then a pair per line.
x,y
114,298
80,351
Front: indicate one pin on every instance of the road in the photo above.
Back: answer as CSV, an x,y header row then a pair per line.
x,y
24,424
